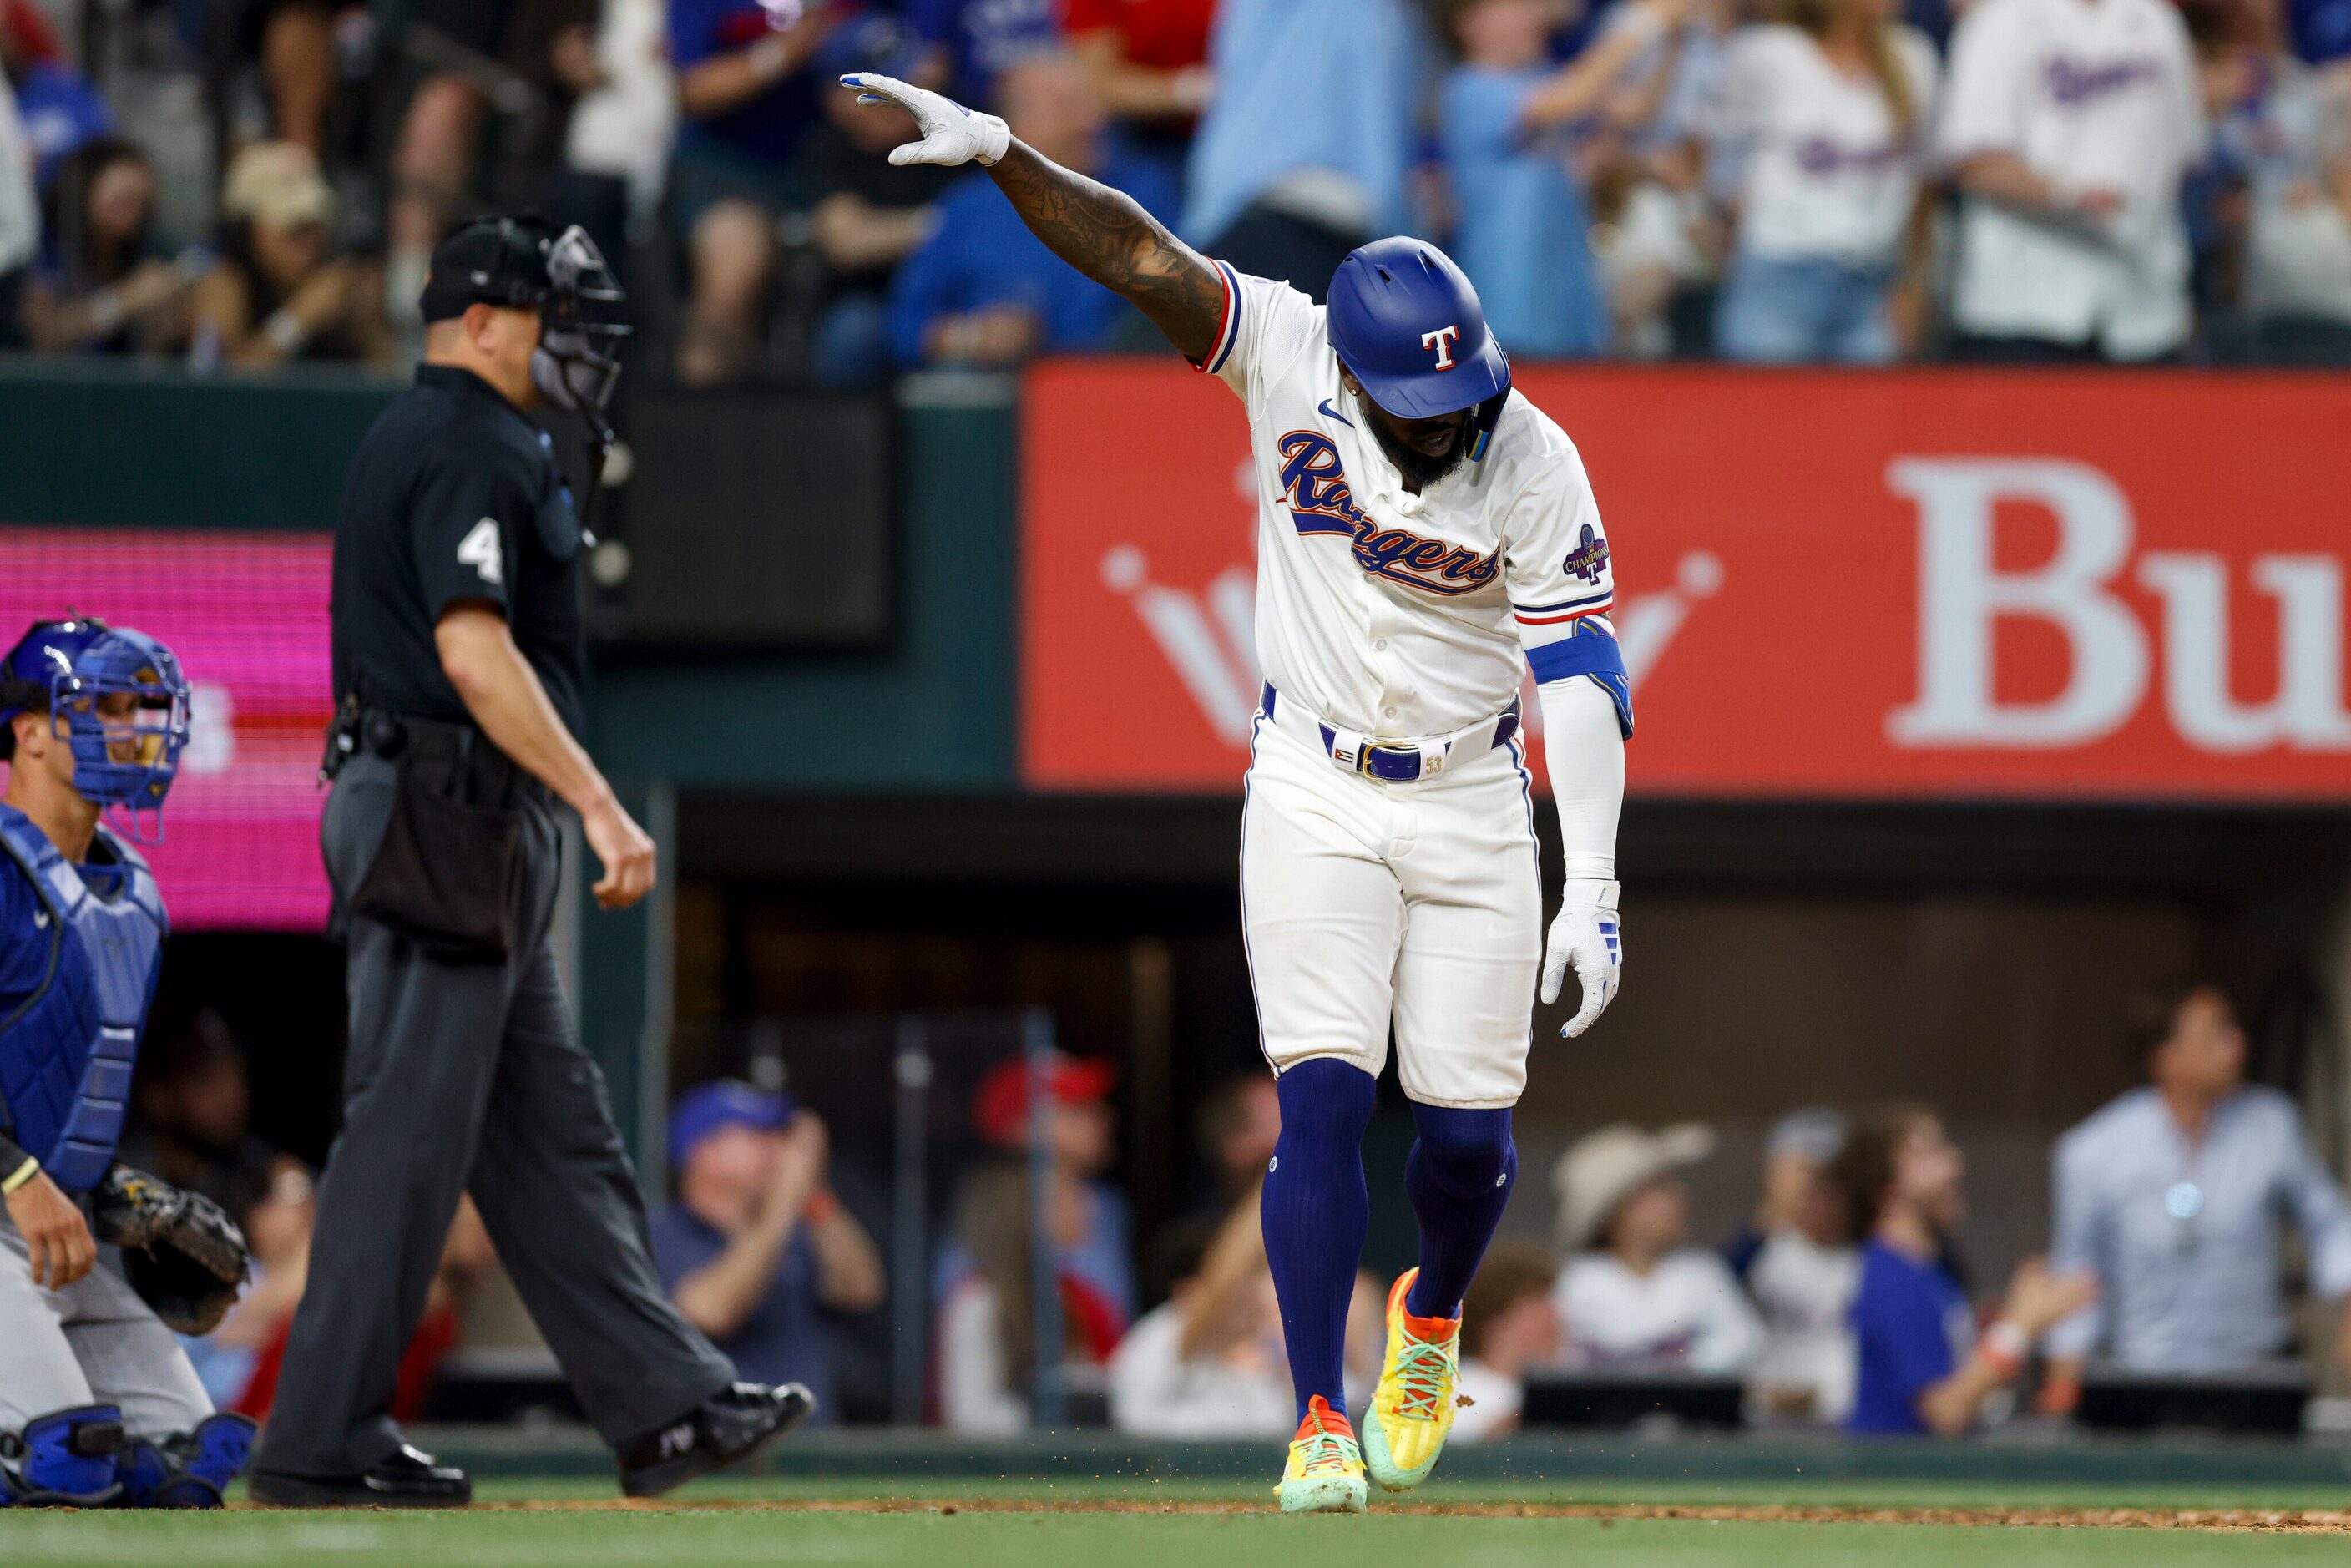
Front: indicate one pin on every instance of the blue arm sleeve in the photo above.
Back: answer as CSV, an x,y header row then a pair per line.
x,y
1590,652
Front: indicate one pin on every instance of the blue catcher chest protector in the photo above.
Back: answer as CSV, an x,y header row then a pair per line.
x,y
65,1052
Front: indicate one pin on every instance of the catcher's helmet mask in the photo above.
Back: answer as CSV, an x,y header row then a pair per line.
x,y
64,668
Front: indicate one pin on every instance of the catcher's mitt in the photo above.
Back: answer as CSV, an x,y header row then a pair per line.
x,y
184,1257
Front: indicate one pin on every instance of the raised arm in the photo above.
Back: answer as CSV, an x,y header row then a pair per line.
x,y
1103,233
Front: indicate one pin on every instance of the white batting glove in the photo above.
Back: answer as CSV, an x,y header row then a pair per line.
x,y
952,134
1585,936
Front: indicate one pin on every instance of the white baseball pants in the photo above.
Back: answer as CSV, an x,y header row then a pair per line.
x,y
93,1343
1366,903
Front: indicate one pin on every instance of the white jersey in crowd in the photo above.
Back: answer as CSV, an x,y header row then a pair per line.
x,y
2091,95
1397,615
1804,1292
20,212
1824,168
1490,1402
1687,1313
1154,1392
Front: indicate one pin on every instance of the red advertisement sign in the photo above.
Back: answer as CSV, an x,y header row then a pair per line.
x,y
1933,583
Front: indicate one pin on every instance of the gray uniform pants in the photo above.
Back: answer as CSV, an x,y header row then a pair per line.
x,y
93,1343
467,1078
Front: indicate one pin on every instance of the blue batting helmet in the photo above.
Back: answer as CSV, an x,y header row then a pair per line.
x,y
63,667
1406,323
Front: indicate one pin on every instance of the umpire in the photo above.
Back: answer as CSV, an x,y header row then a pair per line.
x,y
458,669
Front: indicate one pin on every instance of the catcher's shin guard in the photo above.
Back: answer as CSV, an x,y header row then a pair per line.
x,y
63,1459
187,1469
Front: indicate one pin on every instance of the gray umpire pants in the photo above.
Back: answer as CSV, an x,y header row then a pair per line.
x,y
467,1078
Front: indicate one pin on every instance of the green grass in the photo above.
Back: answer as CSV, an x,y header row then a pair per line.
x,y
689,1537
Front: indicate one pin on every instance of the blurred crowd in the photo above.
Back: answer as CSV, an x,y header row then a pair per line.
x,y
250,181
2188,1217
1843,1302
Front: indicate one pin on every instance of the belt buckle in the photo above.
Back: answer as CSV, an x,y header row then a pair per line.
x,y
1372,750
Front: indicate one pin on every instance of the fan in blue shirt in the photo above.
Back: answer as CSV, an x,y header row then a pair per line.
x,y
1922,1366
981,37
757,1252
983,290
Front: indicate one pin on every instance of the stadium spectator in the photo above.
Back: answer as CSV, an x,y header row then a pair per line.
x,y
756,1250
20,220
1819,128
866,214
2172,1196
747,98
294,44
1505,121
972,42
2069,126
276,295
1238,1125
278,1231
982,291
2283,130
58,106
1510,1325
1148,61
196,1102
1921,1367
103,286
988,1359
467,1258
1798,1263
1207,1361
1634,1294
1307,142
541,51
1657,244
618,143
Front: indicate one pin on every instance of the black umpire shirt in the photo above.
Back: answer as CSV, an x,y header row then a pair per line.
x,y
453,495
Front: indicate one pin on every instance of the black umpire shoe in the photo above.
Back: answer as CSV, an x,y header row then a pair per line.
x,y
404,1477
714,1434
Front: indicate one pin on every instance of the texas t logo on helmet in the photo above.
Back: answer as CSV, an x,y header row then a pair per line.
x,y
1396,301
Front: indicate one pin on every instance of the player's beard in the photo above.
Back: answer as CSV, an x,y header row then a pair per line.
x,y
1419,469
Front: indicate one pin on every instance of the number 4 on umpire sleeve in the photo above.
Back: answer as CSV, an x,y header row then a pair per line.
x,y
481,550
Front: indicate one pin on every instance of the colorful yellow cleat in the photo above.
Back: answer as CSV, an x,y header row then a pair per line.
x,y
1325,1472
1412,1408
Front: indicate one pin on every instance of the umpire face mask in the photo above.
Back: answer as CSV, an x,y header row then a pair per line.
x,y
582,327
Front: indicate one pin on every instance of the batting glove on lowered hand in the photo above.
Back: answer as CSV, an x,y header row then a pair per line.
x,y
1585,936
952,134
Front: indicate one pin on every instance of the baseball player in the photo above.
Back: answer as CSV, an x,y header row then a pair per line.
x,y
97,1402
1424,534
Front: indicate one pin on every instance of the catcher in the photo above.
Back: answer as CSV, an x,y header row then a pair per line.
x,y
97,1402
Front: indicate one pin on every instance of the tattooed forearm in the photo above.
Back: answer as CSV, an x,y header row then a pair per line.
x,y
1106,235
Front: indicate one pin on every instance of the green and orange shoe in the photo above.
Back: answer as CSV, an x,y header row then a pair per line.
x,y
1325,1472
1412,1408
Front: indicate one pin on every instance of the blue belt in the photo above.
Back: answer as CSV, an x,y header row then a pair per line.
x,y
1389,762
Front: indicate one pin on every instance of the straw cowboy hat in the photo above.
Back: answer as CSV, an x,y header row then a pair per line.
x,y
1601,1169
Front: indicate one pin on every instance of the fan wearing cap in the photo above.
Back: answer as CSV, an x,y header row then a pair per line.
x,y
1426,539
987,1354
459,669
276,293
1634,1295
757,1251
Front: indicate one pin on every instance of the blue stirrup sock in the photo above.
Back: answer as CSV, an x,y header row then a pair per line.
x,y
1315,1211
1458,1176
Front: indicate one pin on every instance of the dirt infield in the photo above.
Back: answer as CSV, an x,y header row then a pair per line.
x,y
2281,1521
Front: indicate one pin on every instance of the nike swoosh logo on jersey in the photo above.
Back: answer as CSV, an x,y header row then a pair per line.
x,y
1324,407
40,920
